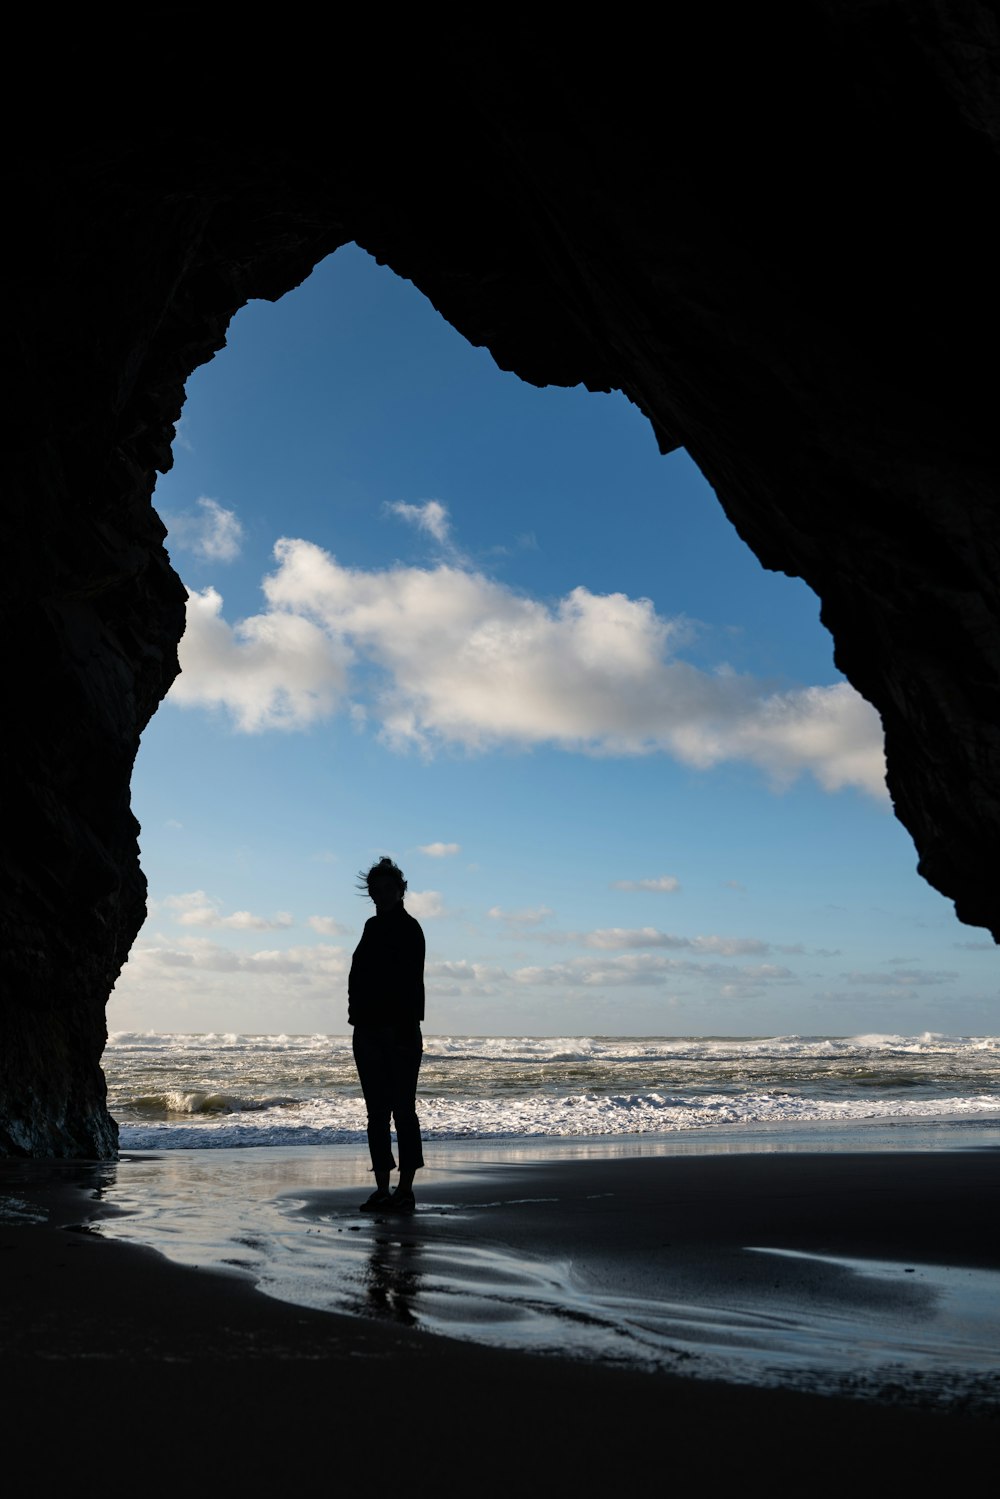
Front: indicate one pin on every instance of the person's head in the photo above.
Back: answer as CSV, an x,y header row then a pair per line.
x,y
383,882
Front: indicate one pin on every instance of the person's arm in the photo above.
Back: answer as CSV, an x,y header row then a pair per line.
x,y
419,953
359,978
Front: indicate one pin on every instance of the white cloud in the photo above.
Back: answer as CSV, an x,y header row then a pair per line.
x,y
901,978
424,903
195,908
609,939
215,535
246,921
440,850
273,671
461,976
327,926
447,657
195,983
650,968
830,731
664,882
530,916
431,517
202,953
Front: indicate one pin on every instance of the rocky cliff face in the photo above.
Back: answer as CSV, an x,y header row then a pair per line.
x,y
775,235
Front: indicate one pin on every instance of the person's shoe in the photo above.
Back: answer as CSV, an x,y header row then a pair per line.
x,y
402,1202
379,1202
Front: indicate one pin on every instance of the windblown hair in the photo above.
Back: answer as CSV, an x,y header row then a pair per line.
x,y
384,866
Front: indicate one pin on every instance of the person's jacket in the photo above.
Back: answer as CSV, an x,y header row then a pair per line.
x,y
386,983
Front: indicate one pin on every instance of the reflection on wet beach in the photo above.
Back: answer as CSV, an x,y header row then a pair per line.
x,y
571,1252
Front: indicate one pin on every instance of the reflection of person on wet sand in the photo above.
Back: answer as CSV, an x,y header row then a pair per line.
x,y
392,1279
385,1007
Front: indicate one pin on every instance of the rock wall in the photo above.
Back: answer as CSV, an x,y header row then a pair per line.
x,y
773,230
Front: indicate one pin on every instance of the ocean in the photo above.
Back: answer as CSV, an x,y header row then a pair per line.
x,y
247,1153
202,1091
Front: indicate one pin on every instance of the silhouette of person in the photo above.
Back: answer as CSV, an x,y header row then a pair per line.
x,y
385,1006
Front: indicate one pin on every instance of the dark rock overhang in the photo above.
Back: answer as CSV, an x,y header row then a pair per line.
x,y
774,233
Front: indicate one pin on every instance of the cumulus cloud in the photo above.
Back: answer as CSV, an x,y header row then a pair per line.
x,y
529,916
213,533
449,658
612,938
196,909
440,850
195,982
901,978
327,926
431,517
650,968
213,957
460,976
272,671
424,903
664,882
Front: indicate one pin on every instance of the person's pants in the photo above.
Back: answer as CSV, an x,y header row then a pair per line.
x,y
388,1061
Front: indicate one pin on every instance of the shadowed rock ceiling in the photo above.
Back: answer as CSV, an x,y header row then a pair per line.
x,y
771,227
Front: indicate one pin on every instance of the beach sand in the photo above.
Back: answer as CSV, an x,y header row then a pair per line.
x,y
767,1318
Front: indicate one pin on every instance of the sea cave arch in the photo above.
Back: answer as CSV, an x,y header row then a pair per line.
x,y
789,270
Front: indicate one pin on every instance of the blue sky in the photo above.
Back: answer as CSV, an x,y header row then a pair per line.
x,y
489,630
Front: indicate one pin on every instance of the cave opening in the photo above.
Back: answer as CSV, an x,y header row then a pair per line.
x,y
491,630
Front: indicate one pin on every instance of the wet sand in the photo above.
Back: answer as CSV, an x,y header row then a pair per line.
x,y
547,1320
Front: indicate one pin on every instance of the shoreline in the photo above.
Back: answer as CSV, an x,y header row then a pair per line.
x,y
703,1257
759,1253
939,1131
